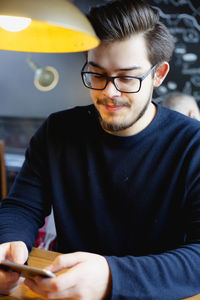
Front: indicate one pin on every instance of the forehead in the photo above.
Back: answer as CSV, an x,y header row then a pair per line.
x,y
121,54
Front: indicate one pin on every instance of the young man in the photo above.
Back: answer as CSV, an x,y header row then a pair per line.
x,y
183,103
122,176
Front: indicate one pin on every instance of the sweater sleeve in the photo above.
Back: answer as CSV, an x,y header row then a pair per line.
x,y
175,273
23,211
171,275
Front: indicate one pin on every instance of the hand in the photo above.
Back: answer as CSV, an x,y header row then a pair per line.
x,y
16,252
87,276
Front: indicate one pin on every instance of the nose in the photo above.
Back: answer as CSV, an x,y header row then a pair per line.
x,y
111,91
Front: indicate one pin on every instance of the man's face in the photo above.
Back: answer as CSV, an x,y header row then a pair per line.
x,y
119,111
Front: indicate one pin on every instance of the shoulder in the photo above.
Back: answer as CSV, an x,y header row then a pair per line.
x,y
177,129
72,118
177,121
71,113
70,122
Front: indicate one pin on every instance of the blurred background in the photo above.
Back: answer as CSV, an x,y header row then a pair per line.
x,y
23,106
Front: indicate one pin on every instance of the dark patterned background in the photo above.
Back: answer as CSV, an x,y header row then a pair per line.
x,y
182,17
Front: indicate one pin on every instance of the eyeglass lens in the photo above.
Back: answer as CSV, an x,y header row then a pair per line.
x,y
126,84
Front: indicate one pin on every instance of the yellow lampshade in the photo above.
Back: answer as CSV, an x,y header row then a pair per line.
x,y
56,26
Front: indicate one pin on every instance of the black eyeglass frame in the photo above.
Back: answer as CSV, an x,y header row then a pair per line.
x,y
112,79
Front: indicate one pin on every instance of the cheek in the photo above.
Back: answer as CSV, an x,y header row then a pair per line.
x,y
147,87
136,99
94,95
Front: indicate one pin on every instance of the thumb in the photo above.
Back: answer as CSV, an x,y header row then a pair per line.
x,y
66,261
18,252
4,251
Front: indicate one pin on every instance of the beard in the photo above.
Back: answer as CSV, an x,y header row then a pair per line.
x,y
116,127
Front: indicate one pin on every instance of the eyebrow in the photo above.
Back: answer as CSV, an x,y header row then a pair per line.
x,y
121,69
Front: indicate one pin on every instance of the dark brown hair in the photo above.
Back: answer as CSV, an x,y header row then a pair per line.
x,y
120,19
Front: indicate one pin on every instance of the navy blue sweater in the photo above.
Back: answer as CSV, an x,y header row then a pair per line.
x,y
135,200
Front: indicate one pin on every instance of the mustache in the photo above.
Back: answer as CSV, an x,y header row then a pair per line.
x,y
114,102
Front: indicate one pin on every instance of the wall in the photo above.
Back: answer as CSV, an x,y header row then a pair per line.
x,y
19,96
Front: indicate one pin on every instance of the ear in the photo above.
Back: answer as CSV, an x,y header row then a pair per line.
x,y
194,114
191,114
160,73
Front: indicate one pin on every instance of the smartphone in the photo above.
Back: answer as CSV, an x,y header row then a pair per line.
x,y
25,270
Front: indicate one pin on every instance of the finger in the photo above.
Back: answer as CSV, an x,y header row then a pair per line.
x,y
66,261
67,294
8,291
4,250
9,277
64,281
9,281
14,251
45,284
35,288
52,288
18,252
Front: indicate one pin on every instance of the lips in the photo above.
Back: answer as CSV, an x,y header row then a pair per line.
x,y
113,105
113,108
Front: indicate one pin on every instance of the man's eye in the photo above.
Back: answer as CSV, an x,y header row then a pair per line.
x,y
97,76
126,79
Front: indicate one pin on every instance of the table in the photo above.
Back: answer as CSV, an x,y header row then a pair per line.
x,y
41,258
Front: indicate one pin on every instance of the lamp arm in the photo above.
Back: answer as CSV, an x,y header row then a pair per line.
x,y
32,64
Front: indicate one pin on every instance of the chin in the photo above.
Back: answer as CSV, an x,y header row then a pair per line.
x,y
114,126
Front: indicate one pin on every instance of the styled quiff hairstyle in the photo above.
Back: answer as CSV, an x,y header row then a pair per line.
x,y
120,19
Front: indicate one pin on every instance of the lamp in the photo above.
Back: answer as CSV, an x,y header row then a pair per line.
x,y
55,26
45,79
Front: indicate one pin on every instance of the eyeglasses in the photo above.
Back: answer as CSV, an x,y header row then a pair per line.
x,y
124,84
